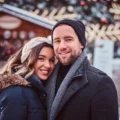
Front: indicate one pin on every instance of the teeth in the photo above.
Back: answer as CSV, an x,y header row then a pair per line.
x,y
63,53
44,71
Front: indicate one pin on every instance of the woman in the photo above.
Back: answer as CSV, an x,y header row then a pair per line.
x,y
22,94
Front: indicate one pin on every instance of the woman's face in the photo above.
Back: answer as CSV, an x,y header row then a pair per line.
x,y
45,63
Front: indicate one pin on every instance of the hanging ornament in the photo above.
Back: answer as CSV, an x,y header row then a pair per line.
x,y
82,3
104,20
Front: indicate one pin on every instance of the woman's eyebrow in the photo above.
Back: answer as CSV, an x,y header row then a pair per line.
x,y
41,56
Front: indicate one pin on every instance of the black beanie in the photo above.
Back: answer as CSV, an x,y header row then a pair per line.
x,y
78,26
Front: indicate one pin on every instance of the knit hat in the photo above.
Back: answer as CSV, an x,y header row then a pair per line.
x,y
78,26
31,44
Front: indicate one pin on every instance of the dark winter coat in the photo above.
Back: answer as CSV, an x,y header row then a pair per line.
x,y
22,101
91,95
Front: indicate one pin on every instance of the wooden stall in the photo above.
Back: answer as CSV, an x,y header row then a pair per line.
x,y
17,27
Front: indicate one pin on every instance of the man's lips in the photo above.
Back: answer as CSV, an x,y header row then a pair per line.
x,y
64,53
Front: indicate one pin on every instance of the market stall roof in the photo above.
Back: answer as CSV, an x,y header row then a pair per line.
x,y
26,16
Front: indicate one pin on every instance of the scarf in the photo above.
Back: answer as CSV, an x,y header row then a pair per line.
x,y
54,102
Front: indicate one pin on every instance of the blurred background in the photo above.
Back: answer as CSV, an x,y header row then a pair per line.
x,y
21,20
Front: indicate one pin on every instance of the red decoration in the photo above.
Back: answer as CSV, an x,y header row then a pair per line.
x,y
82,3
104,20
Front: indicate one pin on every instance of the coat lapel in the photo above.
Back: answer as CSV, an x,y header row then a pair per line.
x,y
76,85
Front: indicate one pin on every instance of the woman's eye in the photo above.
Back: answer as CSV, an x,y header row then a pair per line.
x,y
53,61
40,58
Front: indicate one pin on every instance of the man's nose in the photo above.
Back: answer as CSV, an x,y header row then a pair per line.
x,y
62,46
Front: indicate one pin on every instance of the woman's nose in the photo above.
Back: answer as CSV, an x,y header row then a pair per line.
x,y
47,64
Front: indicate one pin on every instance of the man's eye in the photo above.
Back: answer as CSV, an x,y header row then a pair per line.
x,y
57,41
68,39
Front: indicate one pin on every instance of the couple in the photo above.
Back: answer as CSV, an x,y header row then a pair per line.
x,y
74,91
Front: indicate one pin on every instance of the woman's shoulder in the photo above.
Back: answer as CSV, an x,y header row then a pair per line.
x,y
19,94
16,91
12,95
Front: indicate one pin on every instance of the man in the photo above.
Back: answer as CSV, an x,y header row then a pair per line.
x,y
77,90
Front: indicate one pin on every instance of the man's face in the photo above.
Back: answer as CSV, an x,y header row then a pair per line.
x,y
66,44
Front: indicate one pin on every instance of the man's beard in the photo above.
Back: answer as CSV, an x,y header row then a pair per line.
x,y
67,61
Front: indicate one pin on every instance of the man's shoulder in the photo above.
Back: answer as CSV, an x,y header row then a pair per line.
x,y
96,71
95,75
92,69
